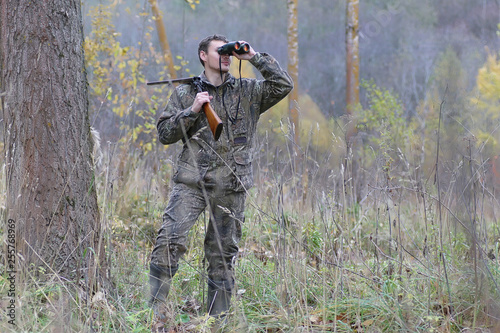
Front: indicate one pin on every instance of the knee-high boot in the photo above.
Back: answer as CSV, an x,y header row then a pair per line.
x,y
219,297
159,282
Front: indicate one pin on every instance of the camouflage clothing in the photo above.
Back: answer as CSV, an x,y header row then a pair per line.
x,y
185,205
214,173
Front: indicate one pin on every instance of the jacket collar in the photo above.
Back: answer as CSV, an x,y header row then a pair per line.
x,y
228,79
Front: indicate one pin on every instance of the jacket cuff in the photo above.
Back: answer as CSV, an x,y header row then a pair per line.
x,y
189,113
257,58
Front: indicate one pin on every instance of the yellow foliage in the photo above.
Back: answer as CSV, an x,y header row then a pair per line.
x,y
487,102
488,86
314,127
486,137
193,3
246,69
315,130
116,79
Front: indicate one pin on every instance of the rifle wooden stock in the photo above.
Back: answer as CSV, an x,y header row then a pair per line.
x,y
213,119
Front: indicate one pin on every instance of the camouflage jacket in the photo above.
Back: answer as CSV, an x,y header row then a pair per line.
x,y
224,164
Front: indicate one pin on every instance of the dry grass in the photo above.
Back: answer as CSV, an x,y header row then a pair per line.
x,y
313,257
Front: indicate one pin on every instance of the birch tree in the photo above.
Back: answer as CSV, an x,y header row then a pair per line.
x,y
293,65
352,61
162,36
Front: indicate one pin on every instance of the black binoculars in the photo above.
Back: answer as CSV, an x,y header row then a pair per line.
x,y
234,46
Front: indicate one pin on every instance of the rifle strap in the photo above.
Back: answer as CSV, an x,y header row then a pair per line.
x,y
232,119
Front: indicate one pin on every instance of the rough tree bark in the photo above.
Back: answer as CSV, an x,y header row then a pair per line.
x,y
50,181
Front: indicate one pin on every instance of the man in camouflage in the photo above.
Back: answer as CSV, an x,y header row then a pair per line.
x,y
212,173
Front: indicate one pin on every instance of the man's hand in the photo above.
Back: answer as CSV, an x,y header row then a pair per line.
x,y
200,99
245,56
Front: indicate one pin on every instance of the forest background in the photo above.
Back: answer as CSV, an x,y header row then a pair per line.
x,y
398,232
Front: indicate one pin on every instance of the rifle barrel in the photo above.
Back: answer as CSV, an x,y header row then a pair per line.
x,y
183,80
212,117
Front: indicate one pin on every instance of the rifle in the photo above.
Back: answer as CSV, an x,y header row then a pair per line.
x,y
212,117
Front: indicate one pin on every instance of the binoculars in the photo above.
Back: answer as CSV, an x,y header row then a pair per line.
x,y
234,46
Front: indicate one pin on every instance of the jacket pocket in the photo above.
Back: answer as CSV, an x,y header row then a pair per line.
x,y
242,159
187,174
243,170
239,126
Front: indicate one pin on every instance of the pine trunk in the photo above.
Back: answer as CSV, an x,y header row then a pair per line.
x,y
51,196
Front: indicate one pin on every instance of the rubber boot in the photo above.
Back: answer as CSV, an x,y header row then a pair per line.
x,y
159,282
219,297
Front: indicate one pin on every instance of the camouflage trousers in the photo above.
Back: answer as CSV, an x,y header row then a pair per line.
x,y
223,233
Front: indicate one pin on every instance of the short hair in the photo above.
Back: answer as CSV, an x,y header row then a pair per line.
x,y
203,46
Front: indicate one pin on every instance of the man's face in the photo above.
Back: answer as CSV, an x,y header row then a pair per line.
x,y
211,58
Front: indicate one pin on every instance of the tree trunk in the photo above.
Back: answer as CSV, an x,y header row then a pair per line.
x,y
300,183
293,65
352,61
162,36
351,165
51,196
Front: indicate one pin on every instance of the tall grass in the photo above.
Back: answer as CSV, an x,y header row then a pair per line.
x,y
405,250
